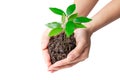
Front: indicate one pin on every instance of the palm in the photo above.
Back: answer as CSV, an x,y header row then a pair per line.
x,y
78,54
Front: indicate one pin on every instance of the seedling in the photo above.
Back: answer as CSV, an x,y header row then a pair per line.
x,y
69,21
63,40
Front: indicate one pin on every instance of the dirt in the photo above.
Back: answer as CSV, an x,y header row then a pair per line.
x,y
59,46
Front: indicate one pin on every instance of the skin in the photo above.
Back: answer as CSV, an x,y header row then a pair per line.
x,y
82,36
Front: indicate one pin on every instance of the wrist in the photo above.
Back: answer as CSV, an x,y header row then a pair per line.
x,y
89,28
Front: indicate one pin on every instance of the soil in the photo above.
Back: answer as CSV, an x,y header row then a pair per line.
x,y
59,46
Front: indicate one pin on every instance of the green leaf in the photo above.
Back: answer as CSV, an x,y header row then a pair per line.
x,y
53,25
55,31
79,25
69,29
57,11
73,16
70,9
82,20
63,18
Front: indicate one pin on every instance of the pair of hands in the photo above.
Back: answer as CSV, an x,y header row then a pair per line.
x,y
78,54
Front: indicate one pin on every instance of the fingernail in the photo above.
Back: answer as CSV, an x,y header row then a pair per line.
x,y
69,58
52,71
49,69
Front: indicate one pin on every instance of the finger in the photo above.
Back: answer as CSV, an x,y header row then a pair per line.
x,y
76,52
52,71
62,67
83,56
59,63
45,39
71,56
65,62
46,57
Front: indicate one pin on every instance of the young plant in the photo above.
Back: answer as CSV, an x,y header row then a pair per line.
x,y
69,21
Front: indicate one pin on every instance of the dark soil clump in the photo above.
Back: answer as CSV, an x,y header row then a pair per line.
x,y
59,46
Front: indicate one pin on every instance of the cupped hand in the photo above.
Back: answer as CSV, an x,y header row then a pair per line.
x,y
78,54
44,45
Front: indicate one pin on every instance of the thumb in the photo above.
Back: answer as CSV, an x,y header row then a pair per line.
x,y
75,52
45,39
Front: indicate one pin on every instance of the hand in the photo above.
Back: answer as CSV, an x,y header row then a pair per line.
x,y
77,55
80,53
44,45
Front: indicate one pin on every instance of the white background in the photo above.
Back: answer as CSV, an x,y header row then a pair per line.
x,y
22,23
